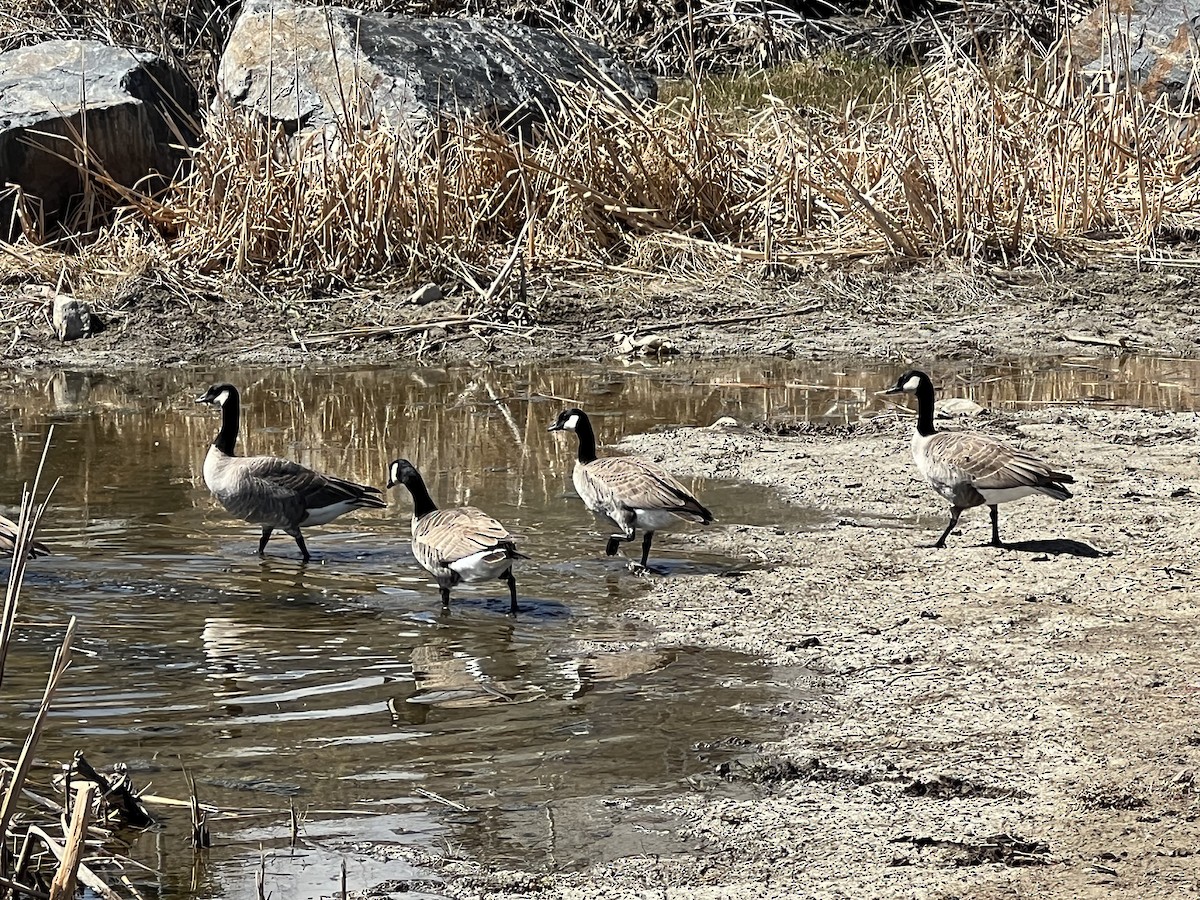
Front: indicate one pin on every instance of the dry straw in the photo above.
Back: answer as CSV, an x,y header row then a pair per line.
x,y
1017,162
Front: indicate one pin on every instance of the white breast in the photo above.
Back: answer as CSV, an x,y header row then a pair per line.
x,y
584,489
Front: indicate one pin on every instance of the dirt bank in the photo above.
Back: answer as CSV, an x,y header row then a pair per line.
x,y
969,722
880,310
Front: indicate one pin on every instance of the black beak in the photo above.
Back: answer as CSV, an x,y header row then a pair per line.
x,y
894,390
391,484
555,427
204,398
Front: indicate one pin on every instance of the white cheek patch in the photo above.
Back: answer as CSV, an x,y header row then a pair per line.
x,y
394,474
912,384
571,423
221,398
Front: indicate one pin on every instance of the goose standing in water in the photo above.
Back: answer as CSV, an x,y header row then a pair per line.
x,y
971,469
629,491
456,545
273,492
8,540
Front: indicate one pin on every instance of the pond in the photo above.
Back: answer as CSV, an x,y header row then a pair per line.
x,y
340,687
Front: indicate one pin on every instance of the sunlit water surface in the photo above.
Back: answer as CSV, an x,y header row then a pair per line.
x,y
339,687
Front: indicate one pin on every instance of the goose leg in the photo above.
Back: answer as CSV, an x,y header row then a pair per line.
x,y
304,554
613,545
646,539
266,536
512,592
955,512
995,511
445,592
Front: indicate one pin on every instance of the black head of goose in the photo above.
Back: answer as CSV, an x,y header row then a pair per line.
x,y
629,491
972,469
459,544
273,492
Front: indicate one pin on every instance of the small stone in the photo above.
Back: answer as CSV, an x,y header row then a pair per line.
x,y
429,293
72,318
957,406
725,422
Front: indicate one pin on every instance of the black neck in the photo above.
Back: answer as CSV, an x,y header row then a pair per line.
x,y
423,504
587,439
231,414
925,409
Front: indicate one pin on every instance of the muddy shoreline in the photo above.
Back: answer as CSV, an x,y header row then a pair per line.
x,y
989,723
878,310
970,722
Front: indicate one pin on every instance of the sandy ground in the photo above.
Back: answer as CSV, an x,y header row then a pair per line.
x,y
968,722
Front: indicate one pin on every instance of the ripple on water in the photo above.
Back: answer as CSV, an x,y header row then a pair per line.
x,y
341,686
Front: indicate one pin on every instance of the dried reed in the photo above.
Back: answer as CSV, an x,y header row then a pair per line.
x,y
17,872
1018,161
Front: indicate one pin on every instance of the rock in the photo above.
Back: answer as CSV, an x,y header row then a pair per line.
x,y
72,318
314,67
128,98
426,294
1157,35
956,406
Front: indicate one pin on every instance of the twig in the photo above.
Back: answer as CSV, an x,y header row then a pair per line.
x,y
86,876
201,837
440,799
369,331
1076,337
62,887
24,544
62,659
731,320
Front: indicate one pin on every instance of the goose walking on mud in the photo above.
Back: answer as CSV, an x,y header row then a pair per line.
x,y
274,492
459,544
630,492
971,469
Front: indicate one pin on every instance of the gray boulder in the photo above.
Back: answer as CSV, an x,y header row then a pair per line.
x,y
312,67
72,318
55,93
1154,38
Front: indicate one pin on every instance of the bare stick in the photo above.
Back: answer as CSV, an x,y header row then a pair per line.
x,y
23,544
732,320
62,887
86,876
62,659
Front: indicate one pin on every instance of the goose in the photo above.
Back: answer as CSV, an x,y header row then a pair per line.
x,y
8,540
456,545
971,469
629,491
273,492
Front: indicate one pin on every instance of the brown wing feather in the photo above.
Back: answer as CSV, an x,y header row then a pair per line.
x,y
293,485
637,483
990,463
449,535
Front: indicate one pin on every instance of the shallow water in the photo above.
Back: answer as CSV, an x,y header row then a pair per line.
x,y
339,687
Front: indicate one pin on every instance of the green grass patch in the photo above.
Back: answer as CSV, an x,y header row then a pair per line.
x,y
832,82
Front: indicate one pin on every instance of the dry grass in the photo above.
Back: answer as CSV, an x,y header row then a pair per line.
x,y
955,160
